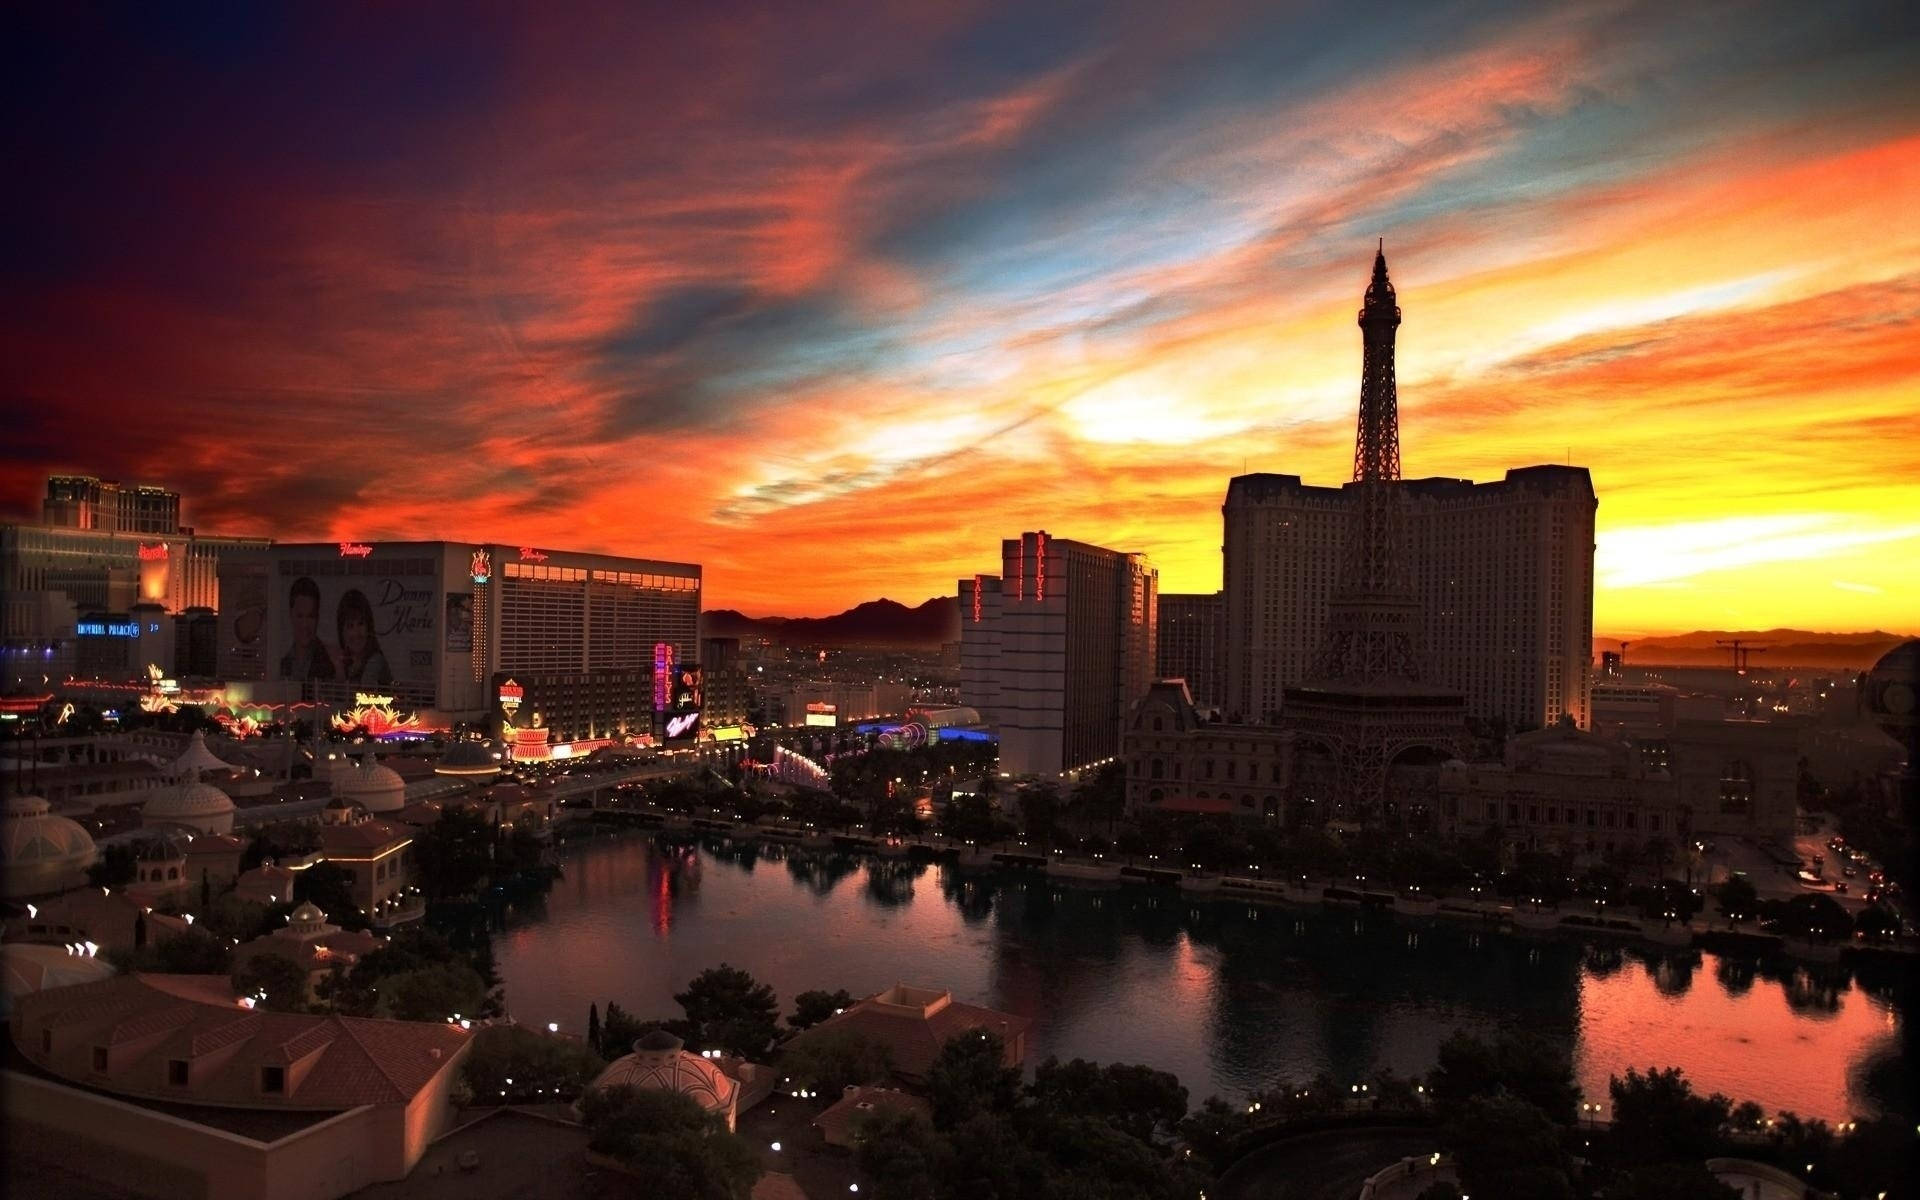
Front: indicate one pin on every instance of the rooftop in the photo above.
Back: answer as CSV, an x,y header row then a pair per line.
x,y
150,1021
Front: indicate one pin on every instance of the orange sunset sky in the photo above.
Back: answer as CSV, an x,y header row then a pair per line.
x,y
829,299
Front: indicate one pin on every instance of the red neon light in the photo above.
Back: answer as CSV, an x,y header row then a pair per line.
x,y
512,693
155,553
1039,566
978,580
481,567
355,550
529,554
1020,572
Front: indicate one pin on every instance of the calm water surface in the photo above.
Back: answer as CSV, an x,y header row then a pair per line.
x,y
1226,996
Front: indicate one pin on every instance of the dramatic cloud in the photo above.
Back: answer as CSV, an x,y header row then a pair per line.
x,y
832,298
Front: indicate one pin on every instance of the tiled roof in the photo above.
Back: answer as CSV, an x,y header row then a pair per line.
x,y
912,1038
836,1124
346,1061
363,837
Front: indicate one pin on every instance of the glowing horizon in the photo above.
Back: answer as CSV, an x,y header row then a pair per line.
x,y
832,302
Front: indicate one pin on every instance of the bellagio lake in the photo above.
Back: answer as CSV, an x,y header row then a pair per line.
x,y
1228,996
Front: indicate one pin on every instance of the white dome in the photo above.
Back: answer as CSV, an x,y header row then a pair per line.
x,y
194,804
39,852
658,1061
375,788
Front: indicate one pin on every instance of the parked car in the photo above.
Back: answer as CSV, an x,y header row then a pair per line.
x,y
1840,885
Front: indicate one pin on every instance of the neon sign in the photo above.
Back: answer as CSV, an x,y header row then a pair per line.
x,y
679,726
369,700
529,554
662,674
1040,566
511,693
481,566
119,629
153,553
355,550
978,581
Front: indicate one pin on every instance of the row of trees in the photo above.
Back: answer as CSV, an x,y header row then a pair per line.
x,y
1509,1114
1078,1130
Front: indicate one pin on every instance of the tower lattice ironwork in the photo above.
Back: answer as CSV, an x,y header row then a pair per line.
x,y
1373,617
1368,701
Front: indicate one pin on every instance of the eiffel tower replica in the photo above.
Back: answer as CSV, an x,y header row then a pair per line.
x,y
1370,699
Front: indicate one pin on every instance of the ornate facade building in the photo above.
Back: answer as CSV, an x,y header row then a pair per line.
x,y
1560,789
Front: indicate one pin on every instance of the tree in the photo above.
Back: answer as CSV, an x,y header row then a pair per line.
x,y
1657,1118
1526,1066
1040,812
454,856
329,888
512,1063
344,991
281,982
114,868
1507,1147
1814,917
1104,794
189,952
678,1147
901,1155
593,1026
1143,1103
969,1077
433,993
969,816
811,1008
1738,899
1669,1181
829,1061
731,1010
1876,922
1211,1131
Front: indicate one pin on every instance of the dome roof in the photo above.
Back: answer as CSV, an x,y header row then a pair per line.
x,y
659,1062
189,802
469,758
374,787
158,849
40,852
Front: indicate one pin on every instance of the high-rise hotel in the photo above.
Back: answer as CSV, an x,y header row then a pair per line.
x,y
1054,648
1504,573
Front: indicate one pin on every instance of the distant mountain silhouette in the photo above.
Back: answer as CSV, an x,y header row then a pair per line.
x,y
1783,648
875,623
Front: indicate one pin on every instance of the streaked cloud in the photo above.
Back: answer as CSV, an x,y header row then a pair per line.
x,y
867,288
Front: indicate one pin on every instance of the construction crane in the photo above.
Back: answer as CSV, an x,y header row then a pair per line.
x,y
1740,648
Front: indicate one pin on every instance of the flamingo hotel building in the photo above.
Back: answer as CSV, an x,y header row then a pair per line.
x,y
484,633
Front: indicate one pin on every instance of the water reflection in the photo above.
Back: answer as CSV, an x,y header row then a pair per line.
x,y
1230,997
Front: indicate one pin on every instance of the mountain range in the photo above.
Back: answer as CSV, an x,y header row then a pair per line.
x,y
879,623
927,626
1771,648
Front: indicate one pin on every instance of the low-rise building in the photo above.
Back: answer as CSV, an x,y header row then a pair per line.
x,y
171,1085
373,852
1178,762
912,1024
311,941
840,1124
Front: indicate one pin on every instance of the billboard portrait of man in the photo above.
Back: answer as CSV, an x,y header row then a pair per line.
x,y
459,622
307,657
